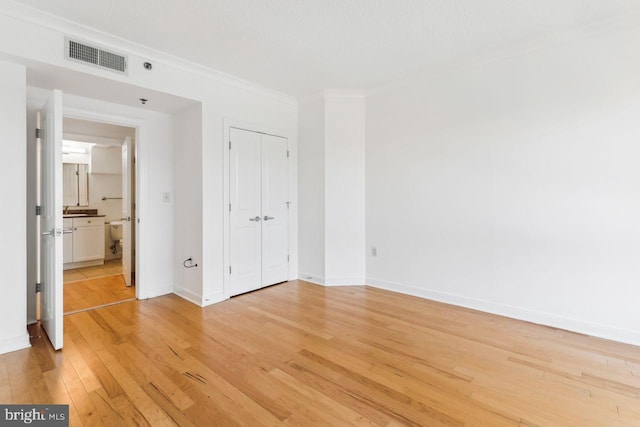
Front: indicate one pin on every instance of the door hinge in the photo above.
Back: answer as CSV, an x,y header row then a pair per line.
x,y
38,133
287,154
229,145
287,258
229,207
288,203
229,269
38,287
38,210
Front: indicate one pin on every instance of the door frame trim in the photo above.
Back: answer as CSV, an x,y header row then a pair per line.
x,y
139,167
229,123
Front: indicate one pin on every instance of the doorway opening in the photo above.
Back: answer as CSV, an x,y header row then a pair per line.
x,y
99,214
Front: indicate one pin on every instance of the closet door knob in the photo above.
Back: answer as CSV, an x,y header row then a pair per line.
x,y
256,219
267,218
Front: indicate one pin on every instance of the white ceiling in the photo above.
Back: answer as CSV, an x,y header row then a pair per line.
x,y
299,46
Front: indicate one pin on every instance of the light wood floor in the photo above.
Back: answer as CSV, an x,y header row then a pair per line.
x,y
301,354
109,268
95,286
85,294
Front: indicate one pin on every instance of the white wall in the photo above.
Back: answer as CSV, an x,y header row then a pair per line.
x,y
106,184
188,213
13,251
331,178
514,187
344,189
106,160
311,195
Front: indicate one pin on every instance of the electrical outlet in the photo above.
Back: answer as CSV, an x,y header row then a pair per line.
x,y
374,251
166,197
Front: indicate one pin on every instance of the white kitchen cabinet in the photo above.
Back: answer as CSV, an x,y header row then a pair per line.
x,y
85,245
88,239
67,241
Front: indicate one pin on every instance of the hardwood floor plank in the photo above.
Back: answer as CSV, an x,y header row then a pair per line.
x,y
144,405
95,286
322,406
60,395
148,372
298,354
176,415
108,415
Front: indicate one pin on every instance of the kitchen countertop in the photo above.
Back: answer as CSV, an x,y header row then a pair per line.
x,y
82,215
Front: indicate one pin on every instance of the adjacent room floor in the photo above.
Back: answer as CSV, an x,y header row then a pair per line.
x,y
302,354
89,287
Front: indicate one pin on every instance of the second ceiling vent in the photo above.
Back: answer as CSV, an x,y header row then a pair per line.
x,y
94,55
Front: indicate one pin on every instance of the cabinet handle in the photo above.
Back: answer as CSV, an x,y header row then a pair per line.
x,y
267,218
256,219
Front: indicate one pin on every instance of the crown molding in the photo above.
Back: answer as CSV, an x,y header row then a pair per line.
x,y
70,28
343,93
331,94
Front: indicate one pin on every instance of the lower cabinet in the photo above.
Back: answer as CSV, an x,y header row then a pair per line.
x,y
67,241
85,243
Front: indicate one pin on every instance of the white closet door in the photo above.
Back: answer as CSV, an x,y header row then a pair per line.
x,y
275,215
245,217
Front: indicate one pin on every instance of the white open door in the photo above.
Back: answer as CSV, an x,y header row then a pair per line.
x,y
127,210
245,215
50,200
275,213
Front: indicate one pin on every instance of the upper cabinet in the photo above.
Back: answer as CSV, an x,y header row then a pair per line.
x,y
106,160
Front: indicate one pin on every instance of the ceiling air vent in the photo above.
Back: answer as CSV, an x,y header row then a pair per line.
x,y
95,55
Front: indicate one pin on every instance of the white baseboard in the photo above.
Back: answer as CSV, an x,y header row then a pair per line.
x,y
14,343
157,292
188,295
82,264
344,281
318,280
213,298
332,281
199,299
584,327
